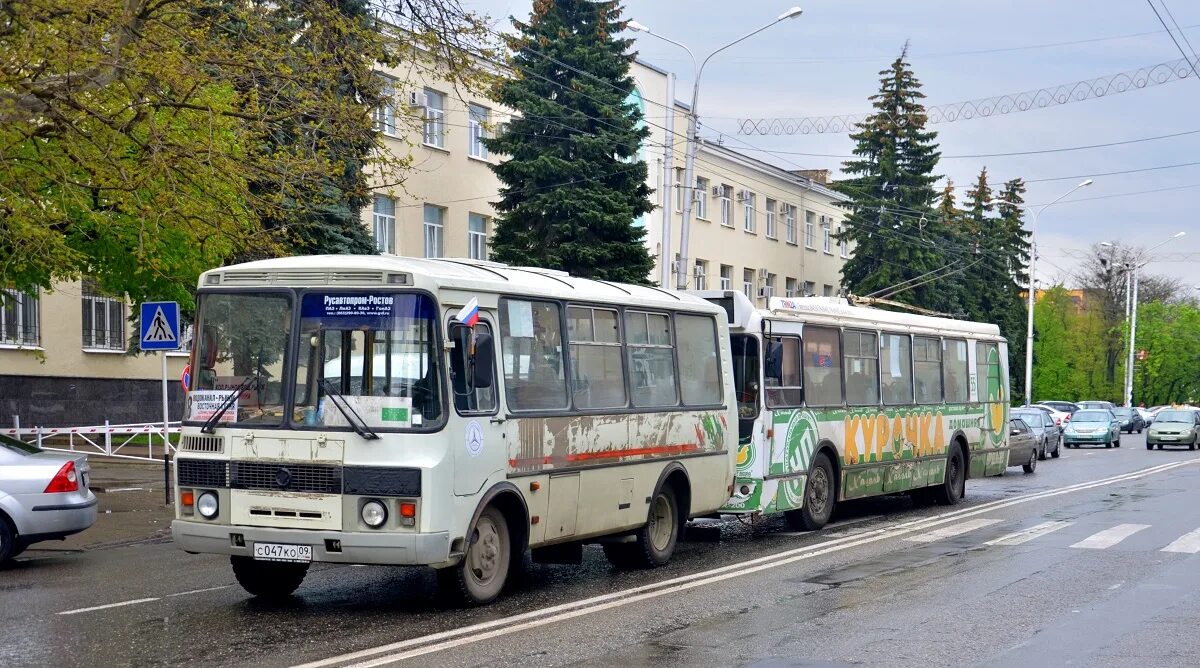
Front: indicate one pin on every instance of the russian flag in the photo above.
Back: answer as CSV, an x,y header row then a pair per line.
x,y
469,315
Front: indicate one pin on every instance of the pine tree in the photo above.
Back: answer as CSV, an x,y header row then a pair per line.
x,y
891,183
1011,247
573,182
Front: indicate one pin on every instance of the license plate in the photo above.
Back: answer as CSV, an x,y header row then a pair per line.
x,y
1167,438
279,552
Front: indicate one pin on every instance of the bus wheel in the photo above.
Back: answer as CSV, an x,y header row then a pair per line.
x,y
819,497
951,490
270,580
655,542
480,576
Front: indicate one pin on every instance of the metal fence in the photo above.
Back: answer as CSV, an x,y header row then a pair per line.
x,y
124,441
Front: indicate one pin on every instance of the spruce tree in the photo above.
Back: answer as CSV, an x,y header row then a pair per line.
x,y
1011,244
573,182
892,187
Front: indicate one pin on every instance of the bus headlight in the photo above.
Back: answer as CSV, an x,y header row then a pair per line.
x,y
207,506
374,513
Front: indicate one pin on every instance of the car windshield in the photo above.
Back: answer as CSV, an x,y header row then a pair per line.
x,y
1091,416
1175,416
19,447
1123,412
242,342
1032,418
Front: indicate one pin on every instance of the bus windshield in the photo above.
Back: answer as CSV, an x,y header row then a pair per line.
x,y
745,380
369,357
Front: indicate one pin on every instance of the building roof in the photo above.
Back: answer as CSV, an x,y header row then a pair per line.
x,y
772,170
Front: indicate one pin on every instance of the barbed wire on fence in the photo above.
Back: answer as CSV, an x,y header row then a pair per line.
x,y
1011,103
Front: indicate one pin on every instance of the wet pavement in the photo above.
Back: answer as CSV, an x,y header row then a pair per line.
x,y
1086,562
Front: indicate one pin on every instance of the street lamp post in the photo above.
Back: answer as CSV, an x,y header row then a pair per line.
x,y
693,123
1131,294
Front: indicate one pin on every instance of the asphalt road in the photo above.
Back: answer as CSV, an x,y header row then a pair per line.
x,y
1090,561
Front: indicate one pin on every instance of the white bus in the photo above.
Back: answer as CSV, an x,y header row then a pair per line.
x,y
841,402
339,412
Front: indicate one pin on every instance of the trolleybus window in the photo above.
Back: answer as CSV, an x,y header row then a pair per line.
x,y
369,357
895,352
745,378
954,365
783,372
987,367
651,359
696,338
531,343
862,368
597,377
822,366
927,358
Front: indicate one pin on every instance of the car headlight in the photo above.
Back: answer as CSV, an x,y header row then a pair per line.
x,y
207,505
374,513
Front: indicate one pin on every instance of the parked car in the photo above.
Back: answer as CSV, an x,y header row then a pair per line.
x,y
1093,426
1060,417
1130,419
1147,415
1048,434
1174,426
1107,405
1064,406
1022,445
43,496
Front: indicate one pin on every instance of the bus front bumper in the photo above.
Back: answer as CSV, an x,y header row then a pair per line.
x,y
403,549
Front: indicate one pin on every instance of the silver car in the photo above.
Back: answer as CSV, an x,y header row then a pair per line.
x,y
43,496
1022,445
1047,433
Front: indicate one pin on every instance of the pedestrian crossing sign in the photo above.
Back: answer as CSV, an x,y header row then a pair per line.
x,y
159,325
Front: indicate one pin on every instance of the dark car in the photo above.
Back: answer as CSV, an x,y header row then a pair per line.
x,y
1130,419
1022,445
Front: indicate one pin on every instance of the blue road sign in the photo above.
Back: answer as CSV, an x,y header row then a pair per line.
x,y
159,326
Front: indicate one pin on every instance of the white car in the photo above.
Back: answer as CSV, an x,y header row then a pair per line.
x,y
1061,418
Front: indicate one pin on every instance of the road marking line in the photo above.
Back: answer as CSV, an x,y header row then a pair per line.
x,y
482,631
1188,543
1029,534
110,605
1103,540
952,531
197,591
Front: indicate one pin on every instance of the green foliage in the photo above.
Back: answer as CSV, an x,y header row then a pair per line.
x,y
1170,335
573,182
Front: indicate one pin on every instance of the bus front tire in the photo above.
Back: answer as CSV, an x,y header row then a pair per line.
x,y
953,487
820,495
268,580
481,575
655,542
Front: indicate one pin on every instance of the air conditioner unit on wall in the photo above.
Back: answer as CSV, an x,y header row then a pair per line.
x,y
744,195
766,292
762,274
416,98
718,190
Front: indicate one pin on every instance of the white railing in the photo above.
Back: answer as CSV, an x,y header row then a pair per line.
x,y
106,440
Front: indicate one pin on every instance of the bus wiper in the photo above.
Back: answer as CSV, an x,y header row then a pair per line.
x,y
211,423
356,422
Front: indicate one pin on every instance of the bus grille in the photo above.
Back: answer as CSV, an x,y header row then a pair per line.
x,y
202,473
194,443
286,477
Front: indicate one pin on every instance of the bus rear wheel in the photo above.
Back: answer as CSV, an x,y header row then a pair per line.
x,y
481,575
820,495
655,542
953,487
269,580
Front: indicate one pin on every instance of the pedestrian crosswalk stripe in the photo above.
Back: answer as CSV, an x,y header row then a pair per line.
x,y
1109,537
1188,543
951,531
1029,534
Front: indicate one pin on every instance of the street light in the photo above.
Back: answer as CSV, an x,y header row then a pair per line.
x,y
1032,289
693,123
1131,283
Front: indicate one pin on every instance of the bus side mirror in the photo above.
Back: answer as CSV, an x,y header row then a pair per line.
x,y
484,361
774,360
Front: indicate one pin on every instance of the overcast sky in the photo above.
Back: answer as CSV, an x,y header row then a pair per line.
x,y
827,61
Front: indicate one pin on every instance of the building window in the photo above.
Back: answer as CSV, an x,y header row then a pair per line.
x,y
748,283
810,224
843,242
726,198
19,318
825,236
701,275
435,119
476,130
769,288
748,210
790,287
789,222
434,227
810,289
385,113
701,195
772,232
680,193
726,277
384,224
827,291
477,236
103,319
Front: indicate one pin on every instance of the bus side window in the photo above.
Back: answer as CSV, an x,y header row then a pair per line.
x,y
822,366
927,358
696,338
896,368
651,359
531,345
954,368
862,369
783,372
466,398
